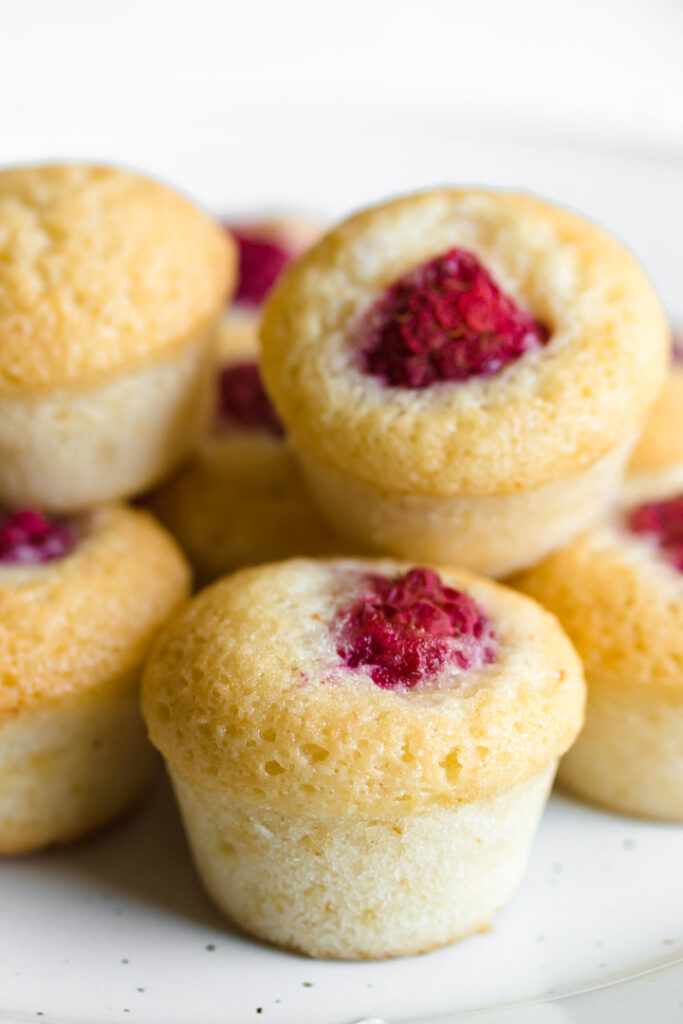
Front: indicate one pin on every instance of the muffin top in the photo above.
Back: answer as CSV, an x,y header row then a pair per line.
x,y
617,589
100,270
463,340
361,686
81,600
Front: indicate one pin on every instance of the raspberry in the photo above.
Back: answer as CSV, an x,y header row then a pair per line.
x,y
406,629
28,537
262,260
243,402
663,522
446,320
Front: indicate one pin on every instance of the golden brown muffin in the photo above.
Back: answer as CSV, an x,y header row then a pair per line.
x,y
80,602
111,286
661,443
361,750
618,592
462,374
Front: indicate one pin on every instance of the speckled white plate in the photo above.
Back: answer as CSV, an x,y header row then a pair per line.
x,y
118,928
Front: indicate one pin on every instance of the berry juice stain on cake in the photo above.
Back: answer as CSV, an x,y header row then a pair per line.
x,y
446,320
662,521
405,630
31,538
262,260
242,401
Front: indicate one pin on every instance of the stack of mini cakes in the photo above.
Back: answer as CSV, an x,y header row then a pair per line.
x,y
362,747
111,289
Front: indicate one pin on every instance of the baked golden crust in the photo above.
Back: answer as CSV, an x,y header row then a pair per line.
x,y
89,618
244,694
552,412
101,269
661,443
619,602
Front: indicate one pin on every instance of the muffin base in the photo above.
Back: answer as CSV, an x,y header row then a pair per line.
x,y
71,766
67,449
493,534
363,889
629,755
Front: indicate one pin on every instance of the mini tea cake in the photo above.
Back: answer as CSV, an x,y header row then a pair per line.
x,y
463,374
81,600
618,591
111,286
361,750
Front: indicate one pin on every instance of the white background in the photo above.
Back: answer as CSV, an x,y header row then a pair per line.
x,y
328,105
256,104
85,77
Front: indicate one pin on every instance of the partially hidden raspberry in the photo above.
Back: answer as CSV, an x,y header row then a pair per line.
x,y
446,320
261,261
242,401
404,630
31,538
677,350
663,522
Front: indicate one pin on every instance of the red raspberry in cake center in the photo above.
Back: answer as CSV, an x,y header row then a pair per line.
x,y
407,629
446,320
663,522
31,538
261,261
243,402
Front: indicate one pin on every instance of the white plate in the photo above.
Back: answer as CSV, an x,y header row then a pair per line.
x,y
118,928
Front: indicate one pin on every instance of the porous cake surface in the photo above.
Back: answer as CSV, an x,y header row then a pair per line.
x,y
248,692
